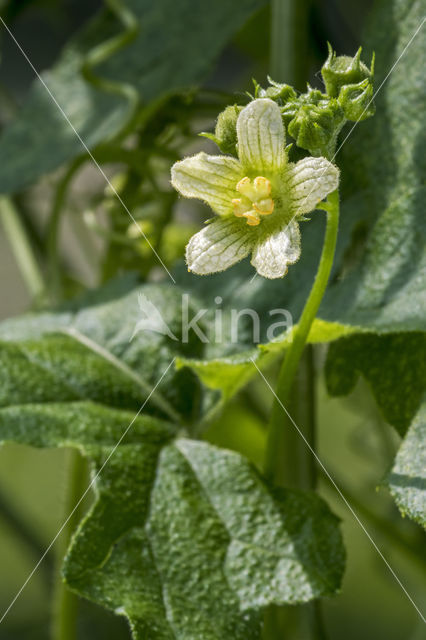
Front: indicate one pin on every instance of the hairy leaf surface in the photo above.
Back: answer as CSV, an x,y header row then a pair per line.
x,y
95,349
184,539
407,479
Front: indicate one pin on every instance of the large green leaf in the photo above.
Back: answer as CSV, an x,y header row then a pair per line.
x,y
184,539
407,479
175,47
88,351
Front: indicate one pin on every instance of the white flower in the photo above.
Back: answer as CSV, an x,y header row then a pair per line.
x,y
258,198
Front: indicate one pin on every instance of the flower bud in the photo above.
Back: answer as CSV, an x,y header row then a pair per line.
x,y
338,71
311,97
356,100
225,134
282,93
315,127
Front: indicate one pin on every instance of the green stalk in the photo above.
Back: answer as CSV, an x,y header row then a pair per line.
x,y
289,461
289,42
297,468
54,226
21,247
300,336
65,603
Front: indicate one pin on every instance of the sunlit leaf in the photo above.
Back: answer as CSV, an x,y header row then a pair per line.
x,y
184,539
407,479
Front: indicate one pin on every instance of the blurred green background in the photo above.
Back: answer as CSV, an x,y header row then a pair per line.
x,y
354,443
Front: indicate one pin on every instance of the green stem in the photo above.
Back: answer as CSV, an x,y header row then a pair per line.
x,y
21,247
300,336
289,461
297,467
102,154
290,44
54,226
64,622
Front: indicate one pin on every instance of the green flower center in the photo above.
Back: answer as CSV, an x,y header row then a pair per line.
x,y
255,200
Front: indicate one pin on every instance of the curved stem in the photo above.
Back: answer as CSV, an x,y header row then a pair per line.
x,y
21,247
64,623
300,336
54,225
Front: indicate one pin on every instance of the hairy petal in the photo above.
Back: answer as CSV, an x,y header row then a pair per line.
x,y
273,253
261,137
219,245
310,180
209,178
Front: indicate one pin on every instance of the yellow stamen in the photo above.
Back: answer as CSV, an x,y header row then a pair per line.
x,y
240,207
255,200
252,217
262,187
245,187
264,207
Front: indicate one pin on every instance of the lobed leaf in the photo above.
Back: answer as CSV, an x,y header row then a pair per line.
x,y
184,539
93,349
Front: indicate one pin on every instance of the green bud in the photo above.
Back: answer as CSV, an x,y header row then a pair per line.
x,y
315,127
356,100
339,71
282,93
225,134
313,97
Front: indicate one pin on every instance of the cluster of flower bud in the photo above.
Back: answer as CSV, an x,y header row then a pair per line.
x,y
314,119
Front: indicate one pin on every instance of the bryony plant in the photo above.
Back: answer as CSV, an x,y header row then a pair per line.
x,y
259,197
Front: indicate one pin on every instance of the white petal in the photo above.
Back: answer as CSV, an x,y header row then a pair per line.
x,y
310,180
219,245
272,254
209,178
261,137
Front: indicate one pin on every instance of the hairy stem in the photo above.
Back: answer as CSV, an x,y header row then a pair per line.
x,y
64,622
